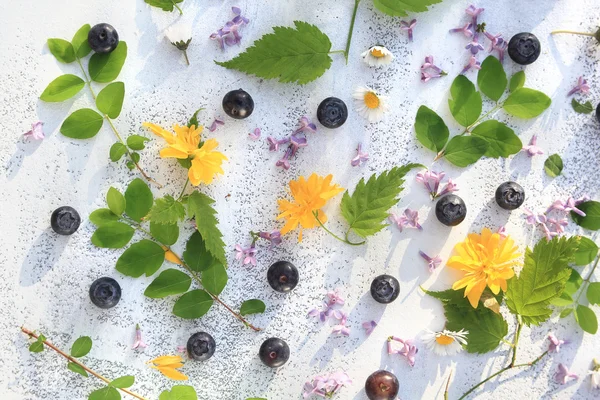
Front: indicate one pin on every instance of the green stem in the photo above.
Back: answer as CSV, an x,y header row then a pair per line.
x,y
88,81
507,342
183,190
586,281
351,31
337,51
516,343
573,32
447,386
177,7
334,235
187,60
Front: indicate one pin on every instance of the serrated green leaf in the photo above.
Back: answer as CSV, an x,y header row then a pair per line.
x,y
592,215
107,393
553,165
78,369
586,318
465,104
526,103
465,150
593,293
431,129
585,108
179,392
196,256
137,142
199,208
138,199
491,78
166,210
167,234
123,382
102,216
62,50
501,139
517,81
81,346
142,257
214,279
169,282
110,99
253,306
117,151
367,208
165,5
574,282
566,312
80,41
112,235
586,252
543,278
563,300
401,8
115,201
106,67
193,121
291,55
193,304
82,124
62,88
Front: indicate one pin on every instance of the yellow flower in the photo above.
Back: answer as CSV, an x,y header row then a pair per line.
x,y
309,196
487,260
185,144
167,366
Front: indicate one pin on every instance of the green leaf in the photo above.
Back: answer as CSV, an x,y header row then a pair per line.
x,y
586,318
367,208
78,369
82,124
192,122
142,257
193,304
167,234
431,129
115,201
401,8
214,279
593,293
117,151
592,215
199,207
586,252
574,283
179,392
185,162
553,165
566,312
169,282
165,5
491,78
135,157
291,55
517,81
465,150
106,67
110,99
62,50
123,382
102,216
167,210
107,393
62,88
80,41
112,235
526,103
38,345
81,347
563,300
465,104
253,306
137,142
543,278
580,108
138,199
501,139
196,256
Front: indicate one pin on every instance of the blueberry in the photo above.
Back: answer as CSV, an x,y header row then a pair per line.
x,y
238,104
510,195
382,385
201,346
524,48
105,292
65,220
385,289
283,276
332,112
274,352
598,112
103,38
450,210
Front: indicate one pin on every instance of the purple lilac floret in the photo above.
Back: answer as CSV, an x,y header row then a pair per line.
x,y
369,326
429,66
36,132
410,219
474,46
139,343
328,309
581,87
274,237
326,386
295,141
532,149
554,220
255,134
555,343
408,26
432,262
563,374
230,33
466,30
403,347
474,13
360,158
215,124
473,64
431,180
247,254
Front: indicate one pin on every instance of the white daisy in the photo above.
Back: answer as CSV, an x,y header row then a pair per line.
x,y
377,56
369,104
445,343
595,375
179,33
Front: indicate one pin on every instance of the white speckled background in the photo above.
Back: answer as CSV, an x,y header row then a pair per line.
x,y
45,278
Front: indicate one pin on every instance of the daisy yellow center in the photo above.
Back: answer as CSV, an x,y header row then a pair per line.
x,y
371,100
377,53
444,340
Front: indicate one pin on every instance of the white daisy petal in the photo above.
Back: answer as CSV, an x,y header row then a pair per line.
x,y
445,343
377,56
369,104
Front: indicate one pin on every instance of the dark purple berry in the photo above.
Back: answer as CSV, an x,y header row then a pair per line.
x,y
274,352
332,112
510,195
385,289
283,276
65,220
450,210
103,38
238,104
105,292
524,48
382,385
201,346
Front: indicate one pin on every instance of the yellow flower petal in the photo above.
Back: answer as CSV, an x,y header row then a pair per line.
x,y
173,152
172,257
172,373
157,130
166,360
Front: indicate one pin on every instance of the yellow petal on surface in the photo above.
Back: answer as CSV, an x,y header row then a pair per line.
x,y
166,360
172,257
172,373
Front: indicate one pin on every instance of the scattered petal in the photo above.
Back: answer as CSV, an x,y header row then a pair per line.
x,y
36,132
562,374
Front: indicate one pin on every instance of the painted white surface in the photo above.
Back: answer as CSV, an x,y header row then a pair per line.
x,y
45,278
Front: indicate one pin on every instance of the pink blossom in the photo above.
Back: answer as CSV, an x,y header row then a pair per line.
x,y
247,253
369,326
409,219
36,132
532,149
326,385
360,157
334,298
555,343
139,343
403,347
306,126
255,135
216,123
408,26
581,87
433,262
473,64
466,30
562,374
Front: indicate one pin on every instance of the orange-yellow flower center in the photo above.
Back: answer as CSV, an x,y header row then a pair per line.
x,y
444,340
377,53
371,100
